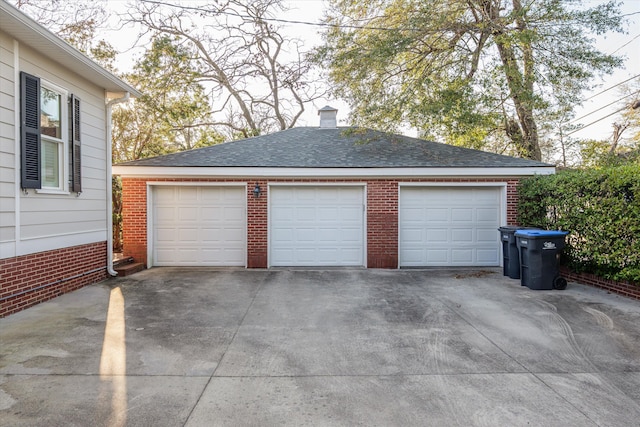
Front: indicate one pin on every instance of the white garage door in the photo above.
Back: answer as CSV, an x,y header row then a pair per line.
x,y
449,226
199,226
316,226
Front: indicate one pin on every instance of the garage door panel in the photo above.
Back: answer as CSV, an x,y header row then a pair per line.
x,y
464,235
305,235
411,235
449,226
485,235
282,253
329,256
199,225
165,234
283,235
313,226
488,256
462,214
188,235
233,235
234,213
187,194
213,213
350,235
352,214
328,235
327,213
282,214
282,195
488,197
166,213
188,213
351,256
439,214
164,256
487,215
211,234
184,255
414,255
413,214
305,255
435,256
433,235
462,257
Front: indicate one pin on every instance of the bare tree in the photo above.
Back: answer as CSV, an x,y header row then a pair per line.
x,y
260,79
77,22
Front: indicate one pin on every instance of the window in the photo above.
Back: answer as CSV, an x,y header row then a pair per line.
x,y
52,142
50,133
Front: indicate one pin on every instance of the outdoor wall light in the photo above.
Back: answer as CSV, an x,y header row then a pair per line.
x,y
256,191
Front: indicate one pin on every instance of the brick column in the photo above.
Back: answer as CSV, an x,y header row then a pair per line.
x,y
134,218
257,225
512,201
382,224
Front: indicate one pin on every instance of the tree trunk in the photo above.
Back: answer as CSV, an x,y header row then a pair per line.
x,y
520,82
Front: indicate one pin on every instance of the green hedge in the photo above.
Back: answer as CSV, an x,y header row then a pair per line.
x,y
601,210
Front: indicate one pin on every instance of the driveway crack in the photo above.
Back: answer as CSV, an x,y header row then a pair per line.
x,y
224,353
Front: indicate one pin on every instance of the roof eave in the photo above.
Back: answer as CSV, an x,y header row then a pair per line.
x,y
242,172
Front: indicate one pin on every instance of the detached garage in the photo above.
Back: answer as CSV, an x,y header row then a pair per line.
x,y
321,197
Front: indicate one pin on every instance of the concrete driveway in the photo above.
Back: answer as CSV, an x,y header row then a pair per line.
x,y
202,347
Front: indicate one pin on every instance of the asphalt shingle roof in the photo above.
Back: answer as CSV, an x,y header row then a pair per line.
x,y
312,147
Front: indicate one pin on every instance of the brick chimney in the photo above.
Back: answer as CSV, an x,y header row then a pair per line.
x,y
328,117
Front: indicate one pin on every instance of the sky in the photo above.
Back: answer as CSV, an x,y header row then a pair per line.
x,y
627,45
593,112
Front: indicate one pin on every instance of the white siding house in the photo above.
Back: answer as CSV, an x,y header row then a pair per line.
x,y
55,164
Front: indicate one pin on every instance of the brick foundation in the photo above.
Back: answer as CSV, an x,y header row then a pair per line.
x,y
622,288
382,213
31,279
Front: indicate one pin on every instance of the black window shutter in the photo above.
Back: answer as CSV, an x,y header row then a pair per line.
x,y
75,148
30,131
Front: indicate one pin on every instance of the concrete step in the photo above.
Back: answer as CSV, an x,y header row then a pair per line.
x,y
129,269
121,260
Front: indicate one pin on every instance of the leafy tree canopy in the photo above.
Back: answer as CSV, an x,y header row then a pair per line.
x,y
479,73
174,112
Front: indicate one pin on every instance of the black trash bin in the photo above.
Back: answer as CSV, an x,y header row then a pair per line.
x,y
539,251
510,253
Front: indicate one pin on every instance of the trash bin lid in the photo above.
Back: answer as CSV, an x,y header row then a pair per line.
x,y
509,228
541,233
515,228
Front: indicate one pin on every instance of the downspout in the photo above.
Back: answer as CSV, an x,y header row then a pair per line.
x,y
110,104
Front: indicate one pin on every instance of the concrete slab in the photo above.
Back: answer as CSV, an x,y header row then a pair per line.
x,y
432,400
82,400
203,347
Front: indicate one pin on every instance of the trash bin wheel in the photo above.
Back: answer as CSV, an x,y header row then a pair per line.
x,y
560,283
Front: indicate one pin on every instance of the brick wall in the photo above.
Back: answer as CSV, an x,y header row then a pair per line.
x,y
382,215
623,288
31,279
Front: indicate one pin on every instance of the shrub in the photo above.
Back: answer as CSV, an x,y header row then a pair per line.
x,y
600,209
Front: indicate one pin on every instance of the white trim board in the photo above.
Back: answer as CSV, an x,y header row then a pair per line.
x,y
244,172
